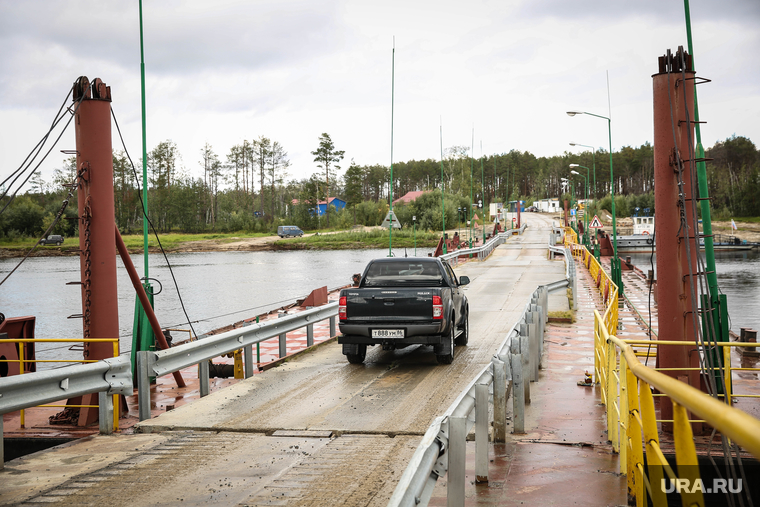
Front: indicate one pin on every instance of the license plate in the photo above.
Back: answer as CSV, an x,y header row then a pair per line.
x,y
387,333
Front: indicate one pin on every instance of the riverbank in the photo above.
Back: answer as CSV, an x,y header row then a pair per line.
x,y
355,239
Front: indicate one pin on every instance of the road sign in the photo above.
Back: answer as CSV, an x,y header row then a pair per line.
x,y
391,218
595,223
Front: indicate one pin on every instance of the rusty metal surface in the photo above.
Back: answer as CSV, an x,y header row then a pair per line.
x,y
677,246
96,210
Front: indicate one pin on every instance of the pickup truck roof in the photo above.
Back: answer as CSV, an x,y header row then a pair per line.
x,y
409,271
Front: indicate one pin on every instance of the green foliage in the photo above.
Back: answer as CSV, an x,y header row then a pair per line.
x,y
377,238
246,194
24,217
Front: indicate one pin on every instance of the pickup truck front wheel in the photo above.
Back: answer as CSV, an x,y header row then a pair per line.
x,y
358,358
448,357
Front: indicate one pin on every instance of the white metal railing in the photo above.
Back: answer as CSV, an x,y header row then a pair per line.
x,y
513,367
106,377
163,362
484,250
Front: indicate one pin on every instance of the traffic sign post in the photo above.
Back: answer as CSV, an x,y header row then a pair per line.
x,y
596,224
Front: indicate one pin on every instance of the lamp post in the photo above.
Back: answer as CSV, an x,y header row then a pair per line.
x,y
459,223
585,215
593,165
414,228
614,262
480,206
585,205
483,189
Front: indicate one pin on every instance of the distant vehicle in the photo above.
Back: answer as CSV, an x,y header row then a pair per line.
x,y
402,302
289,231
53,239
531,208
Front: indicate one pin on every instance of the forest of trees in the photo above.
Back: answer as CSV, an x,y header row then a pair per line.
x,y
249,189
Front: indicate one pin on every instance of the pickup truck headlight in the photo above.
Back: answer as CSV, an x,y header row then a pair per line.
x,y
342,308
437,308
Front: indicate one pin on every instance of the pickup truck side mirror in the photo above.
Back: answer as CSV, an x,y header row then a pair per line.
x,y
464,280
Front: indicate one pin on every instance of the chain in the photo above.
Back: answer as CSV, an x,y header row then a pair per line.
x,y
86,222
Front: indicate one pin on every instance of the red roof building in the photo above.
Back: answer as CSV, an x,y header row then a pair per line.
x,y
410,196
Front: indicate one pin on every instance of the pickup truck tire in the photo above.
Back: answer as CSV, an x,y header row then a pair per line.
x,y
464,336
358,358
448,358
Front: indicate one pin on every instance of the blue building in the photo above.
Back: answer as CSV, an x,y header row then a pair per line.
x,y
322,205
334,201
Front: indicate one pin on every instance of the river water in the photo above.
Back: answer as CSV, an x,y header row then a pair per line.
x,y
217,288
738,278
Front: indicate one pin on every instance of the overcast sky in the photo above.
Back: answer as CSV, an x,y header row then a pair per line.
x,y
223,71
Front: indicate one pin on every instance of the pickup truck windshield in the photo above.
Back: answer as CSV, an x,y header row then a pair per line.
x,y
403,272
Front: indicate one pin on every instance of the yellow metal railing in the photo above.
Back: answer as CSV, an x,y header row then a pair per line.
x,y
634,413
22,362
629,402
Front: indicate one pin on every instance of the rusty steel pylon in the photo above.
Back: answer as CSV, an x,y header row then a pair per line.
x,y
100,309
677,240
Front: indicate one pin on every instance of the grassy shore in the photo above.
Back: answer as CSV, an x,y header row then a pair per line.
x,y
170,241
360,239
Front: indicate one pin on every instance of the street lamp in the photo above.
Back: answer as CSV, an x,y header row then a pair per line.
x,y
615,262
480,206
585,205
459,223
593,165
414,228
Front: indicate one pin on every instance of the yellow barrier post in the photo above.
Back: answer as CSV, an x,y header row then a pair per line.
x,y
624,414
686,456
239,373
116,407
649,420
21,367
611,392
727,374
636,456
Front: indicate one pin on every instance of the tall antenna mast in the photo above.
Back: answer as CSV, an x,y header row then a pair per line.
x,y
443,209
390,183
144,150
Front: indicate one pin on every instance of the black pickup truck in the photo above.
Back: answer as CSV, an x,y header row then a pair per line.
x,y
404,301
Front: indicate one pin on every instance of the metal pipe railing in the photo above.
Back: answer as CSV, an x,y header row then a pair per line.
x,y
163,362
442,449
108,377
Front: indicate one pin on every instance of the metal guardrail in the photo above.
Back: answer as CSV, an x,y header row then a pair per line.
x,y
443,447
484,250
163,362
106,377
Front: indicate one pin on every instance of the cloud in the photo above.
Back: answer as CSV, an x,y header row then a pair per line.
x,y
224,71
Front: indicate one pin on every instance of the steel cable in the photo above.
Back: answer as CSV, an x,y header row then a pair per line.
x,y
155,232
